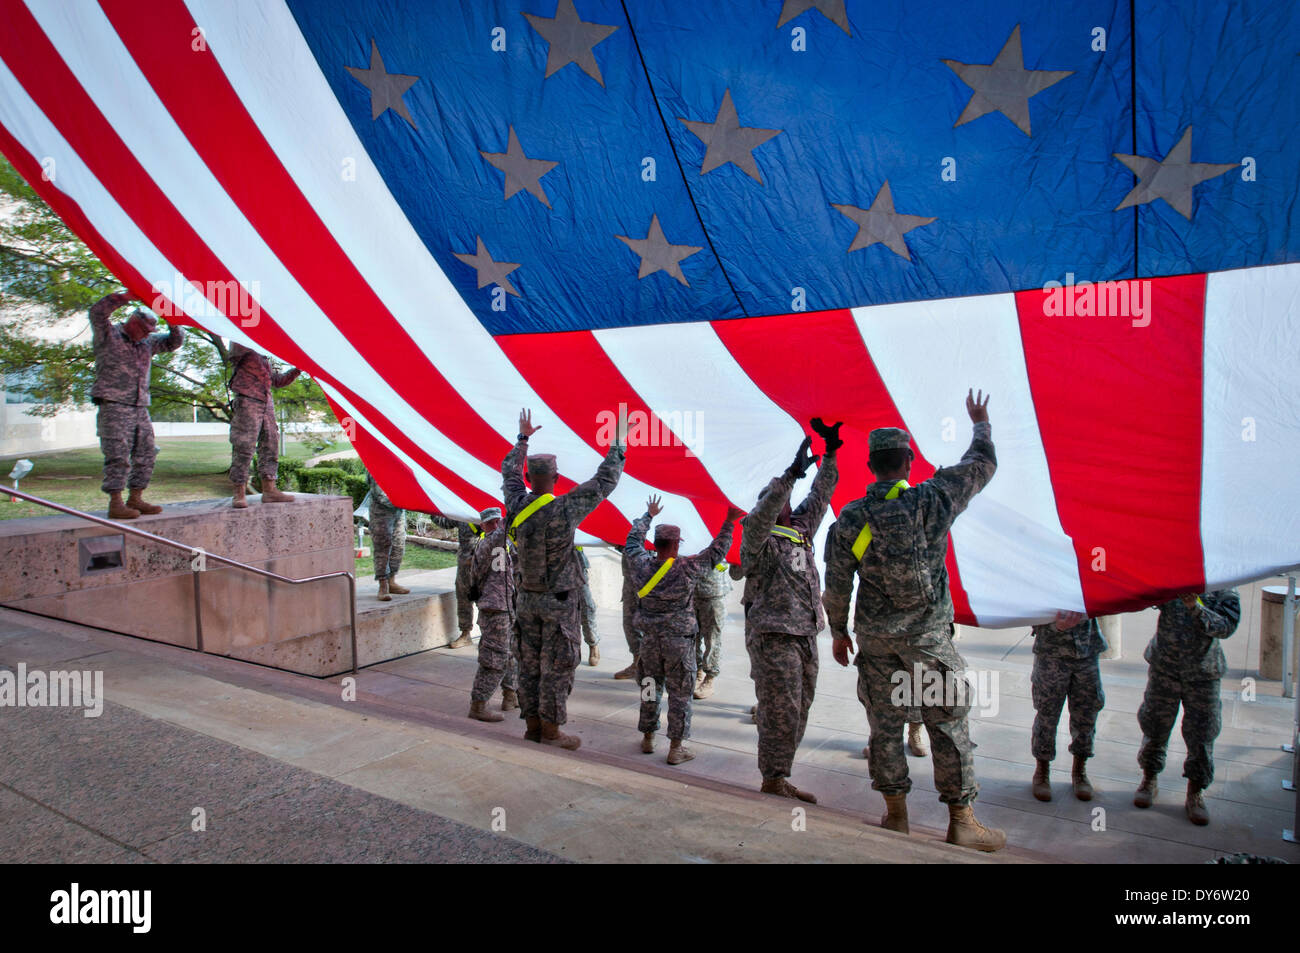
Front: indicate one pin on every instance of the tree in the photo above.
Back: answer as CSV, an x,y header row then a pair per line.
x,y
47,275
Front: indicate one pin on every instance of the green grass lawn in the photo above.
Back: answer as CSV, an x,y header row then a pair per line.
x,y
187,469
416,558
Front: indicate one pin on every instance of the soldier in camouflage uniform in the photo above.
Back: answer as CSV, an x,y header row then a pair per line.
x,y
894,541
387,540
467,536
665,615
589,633
252,423
123,358
710,614
783,612
492,583
549,608
1184,665
629,622
1067,664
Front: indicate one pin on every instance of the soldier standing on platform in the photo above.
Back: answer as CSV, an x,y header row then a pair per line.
x,y
387,541
252,423
665,613
1185,662
549,605
710,614
894,541
589,633
1067,664
783,609
492,586
123,359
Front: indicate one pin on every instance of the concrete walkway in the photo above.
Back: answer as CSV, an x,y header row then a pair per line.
x,y
282,768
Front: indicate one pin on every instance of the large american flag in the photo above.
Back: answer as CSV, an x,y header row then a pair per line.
x,y
725,218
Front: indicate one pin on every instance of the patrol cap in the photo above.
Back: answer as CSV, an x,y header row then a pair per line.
x,y
491,513
540,463
667,533
140,314
888,438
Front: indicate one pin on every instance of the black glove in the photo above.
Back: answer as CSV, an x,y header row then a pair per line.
x,y
830,434
803,459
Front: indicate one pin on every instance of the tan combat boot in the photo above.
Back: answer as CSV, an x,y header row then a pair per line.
x,y
783,788
463,642
895,816
677,753
509,699
533,731
136,501
552,735
1197,812
1146,793
117,510
383,591
1042,783
478,711
395,589
648,742
916,740
270,494
239,498
593,656
705,688
965,831
626,673
1082,786
699,676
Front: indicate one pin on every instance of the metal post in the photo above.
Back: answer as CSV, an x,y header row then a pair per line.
x,y
1288,638
352,606
198,612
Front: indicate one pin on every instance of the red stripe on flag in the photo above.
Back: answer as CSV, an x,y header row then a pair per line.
x,y
388,470
1127,482
199,97
822,369
547,362
39,68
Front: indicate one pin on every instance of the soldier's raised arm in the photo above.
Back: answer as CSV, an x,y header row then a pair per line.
x,y
634,551
813,509
721,544
1217,613
101,312
285,378
585,497
959,483
513,489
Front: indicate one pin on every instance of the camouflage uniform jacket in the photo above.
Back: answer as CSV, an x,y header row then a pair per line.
x,y
377,495
1186,643
122,365
1079,641
253,376
548,561
927,514
467,537
669,608
492,570
713,585
782,585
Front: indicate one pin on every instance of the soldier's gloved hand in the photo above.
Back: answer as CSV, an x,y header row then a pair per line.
x,y
803,459
831,434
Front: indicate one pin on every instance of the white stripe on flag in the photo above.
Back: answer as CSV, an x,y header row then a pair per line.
x,y
1014,557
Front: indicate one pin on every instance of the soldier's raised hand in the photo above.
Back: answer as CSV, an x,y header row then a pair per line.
x,y
654,505
526,427
733,513
979,411
804,458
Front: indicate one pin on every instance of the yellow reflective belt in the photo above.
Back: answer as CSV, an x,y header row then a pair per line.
x,y
578,548
864,538
720,567
788,532
476,530
543,500
654,580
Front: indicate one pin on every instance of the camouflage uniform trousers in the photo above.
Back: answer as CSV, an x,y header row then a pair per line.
x,y
589,633
630,630
784,670
1056,678
387,539
669,662
126,439
879,661
252,424
497,665
1202,720
549,650
465,605
709,615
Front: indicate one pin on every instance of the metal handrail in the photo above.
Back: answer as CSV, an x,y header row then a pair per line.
x,y
197,550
